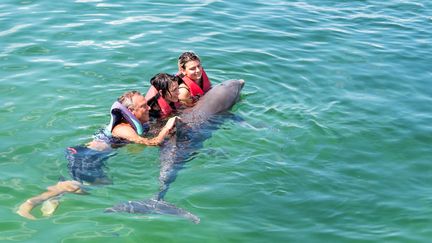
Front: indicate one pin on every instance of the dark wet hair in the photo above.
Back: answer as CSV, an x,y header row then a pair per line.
x,y
187,57
162,82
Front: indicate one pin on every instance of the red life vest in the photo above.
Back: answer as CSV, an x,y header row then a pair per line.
x,y
165,108
194,88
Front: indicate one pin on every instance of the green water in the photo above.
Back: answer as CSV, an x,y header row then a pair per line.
x,y
332,144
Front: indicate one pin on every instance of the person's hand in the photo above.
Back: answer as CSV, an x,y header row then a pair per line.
x,y
170,125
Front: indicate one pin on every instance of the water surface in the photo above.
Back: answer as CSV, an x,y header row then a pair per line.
x,y
332,144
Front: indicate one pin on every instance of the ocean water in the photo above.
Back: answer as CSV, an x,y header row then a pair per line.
x,y
332,141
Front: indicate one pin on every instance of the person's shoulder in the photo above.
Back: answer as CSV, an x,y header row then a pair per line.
x,y
123,130
183,86
183,90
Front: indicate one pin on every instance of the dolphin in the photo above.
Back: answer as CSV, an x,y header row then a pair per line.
x,y
195,126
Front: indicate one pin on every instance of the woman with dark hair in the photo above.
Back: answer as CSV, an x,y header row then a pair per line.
x,y
162,96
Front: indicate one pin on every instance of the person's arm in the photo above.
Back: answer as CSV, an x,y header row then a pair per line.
x,y
184,96
125,131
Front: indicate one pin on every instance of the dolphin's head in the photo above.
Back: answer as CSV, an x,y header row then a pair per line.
x,y
239,84
242,82
221,97
230,89
236,83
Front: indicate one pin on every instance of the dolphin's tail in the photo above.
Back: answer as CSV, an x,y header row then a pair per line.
x,y
153,206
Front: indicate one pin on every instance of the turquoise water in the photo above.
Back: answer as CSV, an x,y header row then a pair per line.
x,y
333,144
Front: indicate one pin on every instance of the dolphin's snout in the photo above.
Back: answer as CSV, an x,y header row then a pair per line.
x,y
242,82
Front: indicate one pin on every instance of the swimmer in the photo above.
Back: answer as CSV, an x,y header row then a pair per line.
x,y
162,96
129,114
195,81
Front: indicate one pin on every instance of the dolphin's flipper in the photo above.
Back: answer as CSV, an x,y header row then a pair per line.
x,y
153,206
